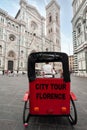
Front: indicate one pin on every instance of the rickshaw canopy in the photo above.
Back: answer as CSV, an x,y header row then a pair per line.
x,y
41,57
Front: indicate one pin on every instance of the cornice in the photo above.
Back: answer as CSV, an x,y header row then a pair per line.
x,y
78,10
81,47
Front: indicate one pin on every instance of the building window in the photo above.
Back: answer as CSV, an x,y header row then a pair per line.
x,y
0,49
57,17
0,63
12,37
16,28
49,31
50,19
1,33
13,26
9,24
33,25
11,54
79,29
2,20
22,52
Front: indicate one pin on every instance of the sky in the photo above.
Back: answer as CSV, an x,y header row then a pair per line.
x,y
12,7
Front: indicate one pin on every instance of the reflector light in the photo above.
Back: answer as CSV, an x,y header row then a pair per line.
x,y
64,109
26,97
36,109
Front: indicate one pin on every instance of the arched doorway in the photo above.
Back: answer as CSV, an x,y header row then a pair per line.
x,y
11,57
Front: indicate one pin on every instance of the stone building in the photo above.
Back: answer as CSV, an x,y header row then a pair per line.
x,y
71,63
79,23
25,33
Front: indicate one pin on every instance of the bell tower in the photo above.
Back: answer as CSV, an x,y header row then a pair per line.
x,y
53,25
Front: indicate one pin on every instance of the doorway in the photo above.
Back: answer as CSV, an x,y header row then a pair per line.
x,y
10,65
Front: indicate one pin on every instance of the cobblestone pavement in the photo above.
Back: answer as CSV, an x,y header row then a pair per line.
x,y
12,90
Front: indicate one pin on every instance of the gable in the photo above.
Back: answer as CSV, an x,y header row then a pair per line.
x,y
34,11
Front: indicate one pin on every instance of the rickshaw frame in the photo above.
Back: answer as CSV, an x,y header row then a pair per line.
x,y
41,57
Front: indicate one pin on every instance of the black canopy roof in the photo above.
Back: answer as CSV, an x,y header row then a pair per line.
x,y
41,57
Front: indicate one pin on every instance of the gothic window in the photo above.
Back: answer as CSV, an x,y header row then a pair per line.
x,y
11,54
1,33
25,32
50,18
2,20
13,25
9,24
0,62
86,15
49,31
33,25
57,17
16,28
78,29
22,52
0,49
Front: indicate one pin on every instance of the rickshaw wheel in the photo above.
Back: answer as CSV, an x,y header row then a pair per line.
x,y
26,113
73,113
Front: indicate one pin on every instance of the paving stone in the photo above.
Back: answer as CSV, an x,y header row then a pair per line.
x,y
12,90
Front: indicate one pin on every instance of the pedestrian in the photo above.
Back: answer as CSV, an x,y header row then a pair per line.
x,y
54,72
47,70
17,72
3,72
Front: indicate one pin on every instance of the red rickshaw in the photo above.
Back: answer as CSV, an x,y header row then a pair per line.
x,y
49,96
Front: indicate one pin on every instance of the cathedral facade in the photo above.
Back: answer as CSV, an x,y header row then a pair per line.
x,y
79,24
25,33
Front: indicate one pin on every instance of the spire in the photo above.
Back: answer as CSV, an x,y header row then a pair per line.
x,y
23,1
52,2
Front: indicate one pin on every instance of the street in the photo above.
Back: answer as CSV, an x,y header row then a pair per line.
x,y
12,90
